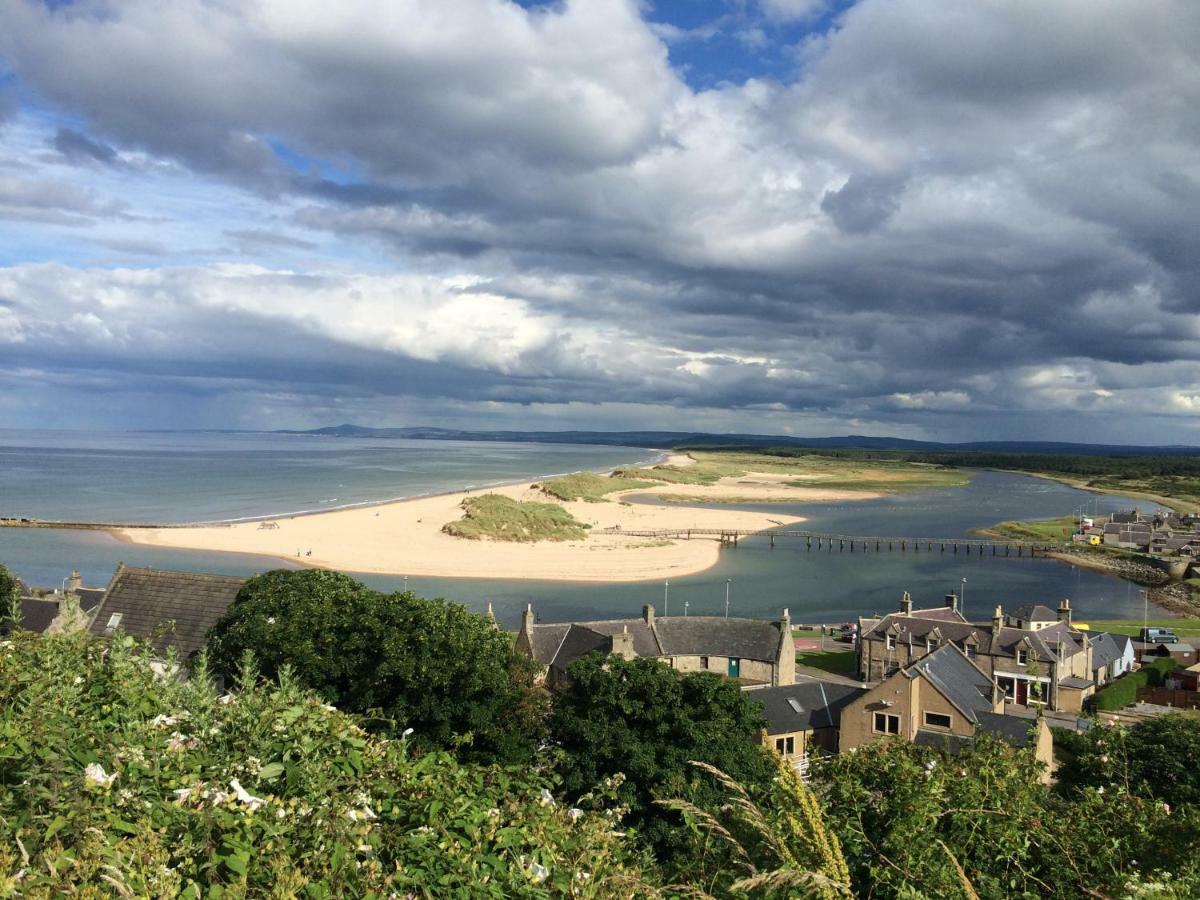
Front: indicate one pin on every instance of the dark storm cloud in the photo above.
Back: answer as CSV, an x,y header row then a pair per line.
x,y
954,210
79,148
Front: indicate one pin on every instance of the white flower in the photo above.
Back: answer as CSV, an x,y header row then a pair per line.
x,y
493,813
407,732
364,814
574,814
162,721
95,773
225,699
539,872
181,794
930,766
270,620
328,707
78,679
545,797
178,741
1166,808
244,797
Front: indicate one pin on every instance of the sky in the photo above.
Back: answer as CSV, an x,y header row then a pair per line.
x,y
942,219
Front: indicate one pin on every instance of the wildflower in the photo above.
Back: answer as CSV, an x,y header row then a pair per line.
x,y
545,797
95,773
244,797
930,766
328,707
1104,758
161,721
178,741
574,814
270,620
1166,808
407,732
226,699
78,679
363,815
182,794
538,872
493,813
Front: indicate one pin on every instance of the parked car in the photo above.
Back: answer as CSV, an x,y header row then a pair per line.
x,y
848,633
1159,636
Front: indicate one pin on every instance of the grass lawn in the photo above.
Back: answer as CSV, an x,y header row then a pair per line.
x,y
839,662
1050,530
589,486
504,519
1183,627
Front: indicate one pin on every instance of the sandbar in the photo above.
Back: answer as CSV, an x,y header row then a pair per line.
x,y
405,537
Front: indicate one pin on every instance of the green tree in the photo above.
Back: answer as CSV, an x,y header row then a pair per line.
x,y
428,665
645,722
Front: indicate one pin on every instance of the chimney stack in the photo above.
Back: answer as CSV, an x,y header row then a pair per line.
x,y
491,613
906,603
787,620
527,619
75,582
952,600
998,618
622,644
1064,611
648,614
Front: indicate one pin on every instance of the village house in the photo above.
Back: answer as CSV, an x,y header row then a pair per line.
x,y
1034,655
171,610
804,717
1112,656
56,610
942,700
753,651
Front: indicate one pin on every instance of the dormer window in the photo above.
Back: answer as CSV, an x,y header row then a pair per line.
x,y
891,642
1022,657
971,650
930,644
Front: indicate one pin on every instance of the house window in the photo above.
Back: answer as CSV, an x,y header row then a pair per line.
x,y
1022,657
704,662
113,621
786,746
886,724
930,644
972,651
937,720
891,642
1008,687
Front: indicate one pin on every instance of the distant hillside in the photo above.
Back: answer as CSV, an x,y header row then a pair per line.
x,y
697,439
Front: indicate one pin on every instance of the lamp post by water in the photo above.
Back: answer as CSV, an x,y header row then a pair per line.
x,y
406,584
666,598
685,607
728,581
962,599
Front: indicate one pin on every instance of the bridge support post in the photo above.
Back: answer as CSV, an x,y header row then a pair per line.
x,y
955,547
772,541
904,546
808,543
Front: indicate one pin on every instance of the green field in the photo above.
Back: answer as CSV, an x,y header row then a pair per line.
x,y
503,519
1049,530
1183,627
589,486
838,662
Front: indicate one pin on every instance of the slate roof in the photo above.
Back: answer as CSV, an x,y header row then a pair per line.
x,y
958,679
1104,651
36,615
1014,730
185,604
1034,612
1074,682
805,705
89,598
989,640
561,644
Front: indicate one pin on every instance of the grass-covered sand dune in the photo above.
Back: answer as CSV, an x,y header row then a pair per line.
x,y
505,519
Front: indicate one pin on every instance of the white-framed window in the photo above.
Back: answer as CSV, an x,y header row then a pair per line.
x,y
937,720
886,723
1008,687
786,746
891,642
931,644
1022,657
971,650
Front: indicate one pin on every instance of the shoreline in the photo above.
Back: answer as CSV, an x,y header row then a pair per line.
x,y
405,537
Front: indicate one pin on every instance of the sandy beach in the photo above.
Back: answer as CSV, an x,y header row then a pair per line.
x,y
406,538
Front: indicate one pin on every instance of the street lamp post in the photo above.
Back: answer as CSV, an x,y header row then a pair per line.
x,y
666,598
962,600
406,584
685,607
728,581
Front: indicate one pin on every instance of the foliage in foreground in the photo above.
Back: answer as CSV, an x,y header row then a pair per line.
x,y
914,822
501,518
115,781
645,722
429,665
1155,759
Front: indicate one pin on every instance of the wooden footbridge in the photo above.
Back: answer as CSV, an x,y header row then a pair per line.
x,y
820,540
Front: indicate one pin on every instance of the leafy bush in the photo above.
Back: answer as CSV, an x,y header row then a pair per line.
x,y
1123,691
430,665
504,519
116,781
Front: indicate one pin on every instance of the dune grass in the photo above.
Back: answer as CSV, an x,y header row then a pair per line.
x,y
590,487
501,518
1050,530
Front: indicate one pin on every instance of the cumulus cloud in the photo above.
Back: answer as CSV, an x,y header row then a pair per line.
x,y
958,214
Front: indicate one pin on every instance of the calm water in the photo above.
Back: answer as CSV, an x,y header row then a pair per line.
x,y
210,476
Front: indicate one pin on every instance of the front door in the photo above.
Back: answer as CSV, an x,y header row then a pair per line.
x,y
735,667
1022,693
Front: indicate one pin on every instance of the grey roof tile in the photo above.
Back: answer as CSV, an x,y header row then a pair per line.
x,y
183,606
805,705
958,679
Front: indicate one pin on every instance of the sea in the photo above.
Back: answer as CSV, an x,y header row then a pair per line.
x,y
136,477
